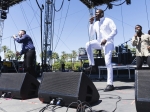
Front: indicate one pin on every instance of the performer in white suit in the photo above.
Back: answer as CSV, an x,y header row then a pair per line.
x,y
105,29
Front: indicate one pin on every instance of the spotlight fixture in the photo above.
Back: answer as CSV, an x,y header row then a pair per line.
x,y
128,2
12,2
3,15
109,6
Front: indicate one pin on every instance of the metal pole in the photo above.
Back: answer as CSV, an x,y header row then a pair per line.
x,y
41,9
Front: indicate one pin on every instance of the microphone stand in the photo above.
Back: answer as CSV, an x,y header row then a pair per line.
x,y
126,44
127,41
124,58
16,58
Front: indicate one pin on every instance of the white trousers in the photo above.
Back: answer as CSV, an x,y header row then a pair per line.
x,y
94,44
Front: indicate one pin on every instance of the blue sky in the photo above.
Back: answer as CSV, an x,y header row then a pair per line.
x,y
72,30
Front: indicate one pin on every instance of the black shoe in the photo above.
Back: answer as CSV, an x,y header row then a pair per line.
x,y
90,68
109,88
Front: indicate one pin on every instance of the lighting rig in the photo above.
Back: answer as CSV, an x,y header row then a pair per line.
x,y
93,3
4,9
4,6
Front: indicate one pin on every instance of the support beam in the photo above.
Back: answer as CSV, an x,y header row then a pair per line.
x,y
94,3
48,32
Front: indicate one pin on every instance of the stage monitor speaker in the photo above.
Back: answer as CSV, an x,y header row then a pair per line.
x,y
142,90
19,85
68,86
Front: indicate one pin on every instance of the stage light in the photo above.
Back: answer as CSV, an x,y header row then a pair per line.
x,y
93,3
110,6
87,3
128,2
5,5
3,15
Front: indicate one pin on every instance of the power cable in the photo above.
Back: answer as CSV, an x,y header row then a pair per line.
x,y
147,14
59,24
74,27
122,23
119,4
35,12
70,14
117,97
28,25
26,30
106,8
13,21
60,6
63,42
63,26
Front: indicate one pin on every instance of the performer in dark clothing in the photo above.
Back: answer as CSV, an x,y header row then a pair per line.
x,y
28,50
63,67
149,32
142,43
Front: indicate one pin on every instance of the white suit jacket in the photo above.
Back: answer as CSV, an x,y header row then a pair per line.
x,y
105,29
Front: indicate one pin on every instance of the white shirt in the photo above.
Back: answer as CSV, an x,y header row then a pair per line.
x,y
105,29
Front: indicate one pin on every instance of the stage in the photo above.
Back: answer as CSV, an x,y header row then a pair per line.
x,y
122,98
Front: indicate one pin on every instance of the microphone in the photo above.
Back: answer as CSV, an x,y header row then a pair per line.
x,y
93,16
137,31
16,35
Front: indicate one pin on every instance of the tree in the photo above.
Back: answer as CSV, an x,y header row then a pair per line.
x,y
71,57
9,54
74,56
56,66
55,56
64,56
4,48
95,52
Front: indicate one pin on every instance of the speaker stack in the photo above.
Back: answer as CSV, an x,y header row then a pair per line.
x,y
67,86
142,90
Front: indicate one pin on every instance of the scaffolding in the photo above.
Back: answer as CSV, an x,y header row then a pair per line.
x,y
48,32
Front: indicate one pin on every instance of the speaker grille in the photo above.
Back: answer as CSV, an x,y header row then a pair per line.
x,y
8,81
143,85
68,85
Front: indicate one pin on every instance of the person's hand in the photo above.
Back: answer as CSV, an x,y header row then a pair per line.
x,y
148,47
17,53
135,36
14,36
103,42
91,20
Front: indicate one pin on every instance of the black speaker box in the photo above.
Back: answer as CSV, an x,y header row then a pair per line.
x,y
68,86
19,85
142,90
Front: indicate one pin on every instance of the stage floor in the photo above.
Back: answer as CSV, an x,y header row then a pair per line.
x,y
122,98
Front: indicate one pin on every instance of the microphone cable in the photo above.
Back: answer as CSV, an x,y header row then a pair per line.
x,y
16,57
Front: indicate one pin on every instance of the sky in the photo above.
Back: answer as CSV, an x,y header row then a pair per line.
x,y
71,23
